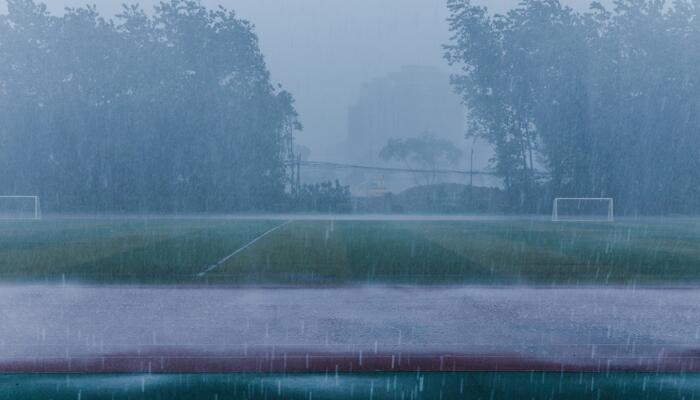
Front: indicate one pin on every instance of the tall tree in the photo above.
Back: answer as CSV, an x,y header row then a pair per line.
x,y
170,112
605,102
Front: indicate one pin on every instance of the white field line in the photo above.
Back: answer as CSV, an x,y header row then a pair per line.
x,y
228,257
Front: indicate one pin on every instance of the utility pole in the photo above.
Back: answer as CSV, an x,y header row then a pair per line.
x,y
471,177
471,168
290,158
298,173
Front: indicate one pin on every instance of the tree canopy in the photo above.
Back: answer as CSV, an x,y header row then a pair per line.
x,y
169,111
425,151
602,103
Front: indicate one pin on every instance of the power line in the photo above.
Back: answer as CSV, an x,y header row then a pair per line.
x,y
334,165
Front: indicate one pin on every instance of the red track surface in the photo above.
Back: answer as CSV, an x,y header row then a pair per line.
x,y
280,362
124,329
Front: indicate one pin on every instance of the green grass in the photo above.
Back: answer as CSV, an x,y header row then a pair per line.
x,y
339,252
127,250
457,385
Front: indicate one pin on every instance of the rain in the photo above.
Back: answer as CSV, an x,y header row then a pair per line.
x,y
326,199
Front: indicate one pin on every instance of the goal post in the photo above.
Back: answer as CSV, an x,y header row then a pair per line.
x,y
19,207
583,209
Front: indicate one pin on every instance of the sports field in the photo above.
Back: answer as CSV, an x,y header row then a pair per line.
x,y
333,307
321,251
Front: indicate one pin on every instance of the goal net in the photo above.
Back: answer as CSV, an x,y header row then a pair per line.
x,y
19,207
583,209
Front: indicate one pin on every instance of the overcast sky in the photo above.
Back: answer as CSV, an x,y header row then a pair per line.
x,y
323,50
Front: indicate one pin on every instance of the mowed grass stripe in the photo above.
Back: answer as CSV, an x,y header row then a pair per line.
x,y
445,252
241,249
306,252
132,251
355,251
566,253
346,251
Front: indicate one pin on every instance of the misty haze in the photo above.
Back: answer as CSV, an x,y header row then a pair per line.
x,y
325,199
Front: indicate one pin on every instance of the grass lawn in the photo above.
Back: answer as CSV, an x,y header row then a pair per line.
x,y
343,251
462,385
111,250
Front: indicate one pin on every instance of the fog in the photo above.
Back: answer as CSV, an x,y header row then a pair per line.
x,y
522,104
324,51
309,199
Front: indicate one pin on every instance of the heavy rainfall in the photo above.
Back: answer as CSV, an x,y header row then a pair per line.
x,y
326,199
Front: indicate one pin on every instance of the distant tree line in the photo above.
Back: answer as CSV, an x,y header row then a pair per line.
x,y
169,111
446,198
604,102
425,151
323,197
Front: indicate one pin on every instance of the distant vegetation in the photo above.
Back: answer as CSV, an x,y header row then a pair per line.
x,y
438,198
448,198
402,103
175,110
605,102
423,152
169,111
327,197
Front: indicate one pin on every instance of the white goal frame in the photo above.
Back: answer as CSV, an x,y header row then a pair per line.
x,y
37,208
608,218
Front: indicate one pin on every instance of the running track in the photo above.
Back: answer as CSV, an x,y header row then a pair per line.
x,y
98,329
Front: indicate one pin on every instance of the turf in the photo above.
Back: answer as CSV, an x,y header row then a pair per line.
x,y
474,385
113,251
321,252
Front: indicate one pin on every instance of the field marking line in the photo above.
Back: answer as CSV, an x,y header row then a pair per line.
x,y
252,242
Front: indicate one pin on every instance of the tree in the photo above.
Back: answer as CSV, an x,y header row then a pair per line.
x,y
173,111
324,197
425,151
601,101
411,100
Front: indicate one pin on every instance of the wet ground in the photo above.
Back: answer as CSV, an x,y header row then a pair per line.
x,y
97,329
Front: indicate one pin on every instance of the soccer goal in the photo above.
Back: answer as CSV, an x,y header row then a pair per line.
x,y
583,209
20,207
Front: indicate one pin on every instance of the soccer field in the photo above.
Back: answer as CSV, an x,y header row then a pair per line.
x,y
502,320
325,251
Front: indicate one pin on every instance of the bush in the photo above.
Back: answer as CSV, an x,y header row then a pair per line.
x,y
450,198
323,197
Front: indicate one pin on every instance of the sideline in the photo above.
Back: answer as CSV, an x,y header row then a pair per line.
x,y
228,257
